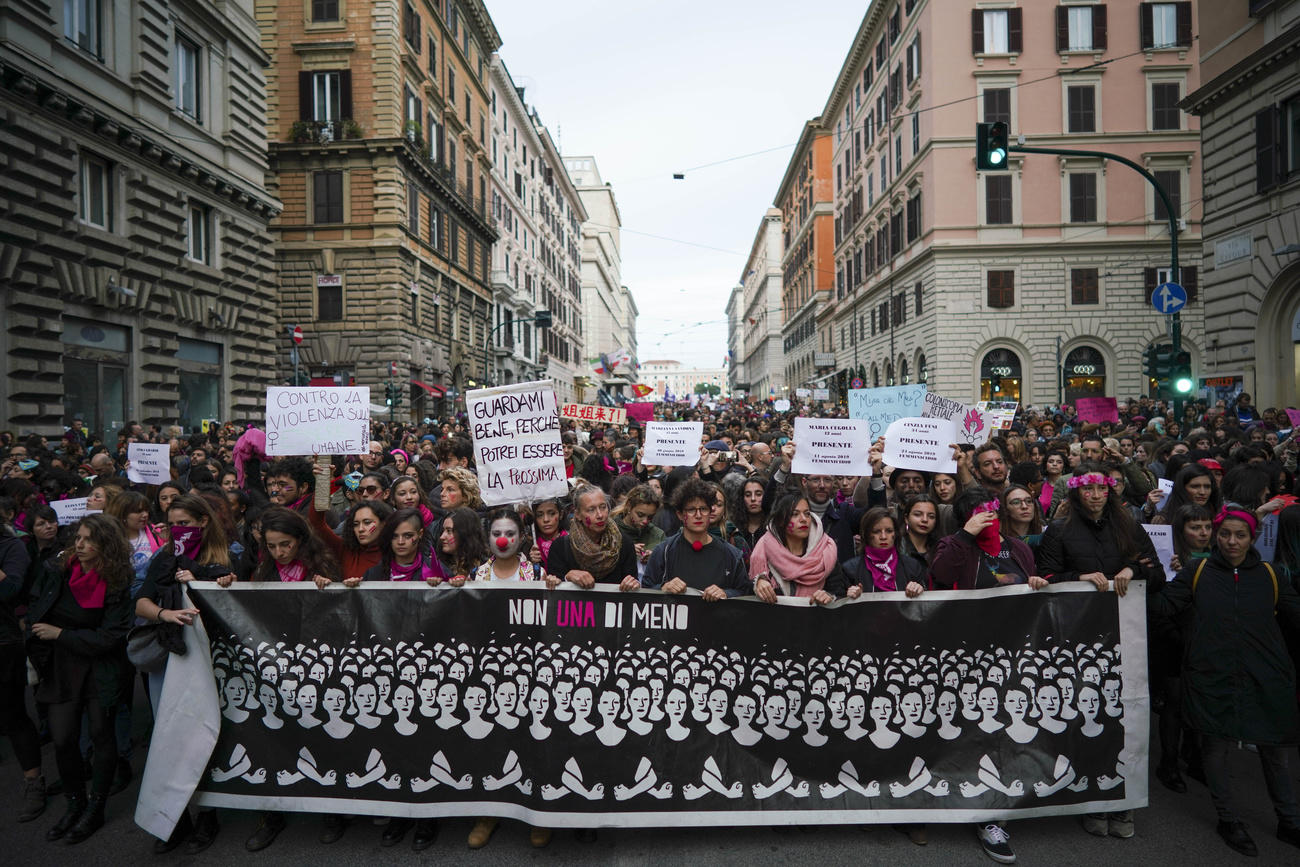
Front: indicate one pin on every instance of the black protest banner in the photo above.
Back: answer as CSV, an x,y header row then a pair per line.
x,y
592,708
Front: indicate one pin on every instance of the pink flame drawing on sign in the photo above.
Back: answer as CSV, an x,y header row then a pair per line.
x,y
973,423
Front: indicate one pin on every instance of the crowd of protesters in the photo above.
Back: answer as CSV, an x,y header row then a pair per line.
x,y
1049,500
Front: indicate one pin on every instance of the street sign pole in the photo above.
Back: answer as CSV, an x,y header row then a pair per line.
x,y
295,334
1176,325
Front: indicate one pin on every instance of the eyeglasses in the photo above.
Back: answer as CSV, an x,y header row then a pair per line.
x,y
1020,502
697,510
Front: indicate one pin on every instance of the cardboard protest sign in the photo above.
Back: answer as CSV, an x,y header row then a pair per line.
x,y
150,463
1162,537
834,446
1097,409
974,427
921,444
585,412
317,420
515,430
672,443
883,406
71,511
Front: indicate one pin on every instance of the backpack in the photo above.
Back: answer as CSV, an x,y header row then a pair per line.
x,y
1196,577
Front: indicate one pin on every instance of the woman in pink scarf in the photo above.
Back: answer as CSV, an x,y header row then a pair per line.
x,y
796,557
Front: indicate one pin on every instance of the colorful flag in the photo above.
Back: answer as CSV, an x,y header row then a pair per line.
x,y
641,390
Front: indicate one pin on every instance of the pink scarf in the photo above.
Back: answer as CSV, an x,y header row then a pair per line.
x,y
807,573
295,571
882,563
426,515
88,588
544,545
421,568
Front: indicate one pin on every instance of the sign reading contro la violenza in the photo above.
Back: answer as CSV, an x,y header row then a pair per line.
x,y
317,420
516,434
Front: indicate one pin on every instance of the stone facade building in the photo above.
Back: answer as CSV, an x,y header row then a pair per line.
x,y
759,314
808,276
608,310
736,376
136,274
379,125
1033,281
1249,106
537,260
669,377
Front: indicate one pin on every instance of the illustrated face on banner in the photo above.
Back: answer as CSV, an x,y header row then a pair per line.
x,y
504,538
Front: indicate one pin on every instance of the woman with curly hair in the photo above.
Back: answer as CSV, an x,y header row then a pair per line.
x,y
291,551
460,489
77,643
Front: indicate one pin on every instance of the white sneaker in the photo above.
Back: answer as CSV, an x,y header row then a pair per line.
x,y
996,842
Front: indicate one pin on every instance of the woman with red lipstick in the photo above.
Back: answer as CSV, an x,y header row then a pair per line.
x,y
595,551
796,557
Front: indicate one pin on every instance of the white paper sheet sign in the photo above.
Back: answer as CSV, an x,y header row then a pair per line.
x,y
71,511
516,434
1266,543
921,444
781,405
1162,537
324,420
150,463
672,443
833,446
1166,488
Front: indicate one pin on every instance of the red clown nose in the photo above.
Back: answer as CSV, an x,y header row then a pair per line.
x,y
503,543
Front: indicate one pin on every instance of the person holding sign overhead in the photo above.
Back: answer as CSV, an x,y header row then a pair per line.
x,y
595,551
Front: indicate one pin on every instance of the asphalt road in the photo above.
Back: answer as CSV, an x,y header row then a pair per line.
x,y
1175,829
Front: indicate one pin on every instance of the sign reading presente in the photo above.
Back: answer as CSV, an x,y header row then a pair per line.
x,y
317,420
672,443
516,434
921,444
150,463
835,446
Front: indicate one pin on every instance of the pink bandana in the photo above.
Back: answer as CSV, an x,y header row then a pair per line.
x,y
295,571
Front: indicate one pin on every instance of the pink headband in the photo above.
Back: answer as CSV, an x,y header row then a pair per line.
x,y
1238,515
1090,479
401,452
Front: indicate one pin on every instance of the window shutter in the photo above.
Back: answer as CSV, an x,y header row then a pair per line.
x,y
1266,175
304,96
1183,23
345,93
1015,39
1189,279
1099,27
1063,28
1146,25
977,31
1148,282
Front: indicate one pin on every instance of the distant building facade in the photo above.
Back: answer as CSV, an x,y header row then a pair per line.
x,y
138,274
1248,105
668,377
760,319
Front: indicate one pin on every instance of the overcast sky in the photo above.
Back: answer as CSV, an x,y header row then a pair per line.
x,y
651,89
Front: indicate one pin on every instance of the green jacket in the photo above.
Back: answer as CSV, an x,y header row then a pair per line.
x,y
651,537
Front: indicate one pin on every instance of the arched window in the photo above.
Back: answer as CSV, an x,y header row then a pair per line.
x,y
1000,375
903,377
922,370
1085,374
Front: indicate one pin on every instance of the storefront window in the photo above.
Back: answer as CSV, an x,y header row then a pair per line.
x,y
1000,376
96,357
199,373
1085,374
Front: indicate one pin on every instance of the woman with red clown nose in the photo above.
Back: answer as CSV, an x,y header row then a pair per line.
x,y
506,541
1238,678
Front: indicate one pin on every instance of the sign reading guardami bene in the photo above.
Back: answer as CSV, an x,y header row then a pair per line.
x,y
317,420
516,434
836,446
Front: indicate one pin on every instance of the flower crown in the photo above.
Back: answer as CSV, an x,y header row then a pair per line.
x,y
1090,479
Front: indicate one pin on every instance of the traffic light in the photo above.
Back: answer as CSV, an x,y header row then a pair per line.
x,y
542,318
991,146
1181,374
300,378
1149,366
389,394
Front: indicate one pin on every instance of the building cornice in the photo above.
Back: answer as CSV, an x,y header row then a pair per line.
x,y
1244,73
152,145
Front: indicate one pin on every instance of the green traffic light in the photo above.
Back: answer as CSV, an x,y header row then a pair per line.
x,y
1183,385
996,157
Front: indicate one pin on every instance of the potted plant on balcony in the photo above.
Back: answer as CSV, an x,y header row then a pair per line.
x,y
413,132
351,129
302,132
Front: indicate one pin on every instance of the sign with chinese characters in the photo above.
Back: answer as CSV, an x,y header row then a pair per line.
x,y
614,415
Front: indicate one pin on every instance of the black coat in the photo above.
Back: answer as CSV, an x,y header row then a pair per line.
x,y
1077,546
1239,681
104,646
909,569
14,586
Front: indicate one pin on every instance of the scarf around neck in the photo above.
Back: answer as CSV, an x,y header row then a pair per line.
x,y
807,573
882,563
295,571
596,554
87,586
422,567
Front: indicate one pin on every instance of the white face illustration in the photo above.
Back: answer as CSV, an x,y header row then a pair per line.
x,y
539,702
988,701
507,695
745,709
856,709
335,701
236,692
814,714
881,709
306,698
836,703
638,703
946,706
675,705
609,705
1089,702
367,698
428,691
267,696
1049,700
403,700
913,706
447,697
718,702
563,695
475,700
1016,704
1110,691
699,694
969,693
582,699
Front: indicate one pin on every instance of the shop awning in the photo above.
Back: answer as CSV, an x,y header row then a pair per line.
x,y
434,391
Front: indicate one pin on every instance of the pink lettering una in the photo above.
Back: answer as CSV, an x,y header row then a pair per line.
x,y
574,613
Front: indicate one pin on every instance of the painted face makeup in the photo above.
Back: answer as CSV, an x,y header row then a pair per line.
x,y
504,536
